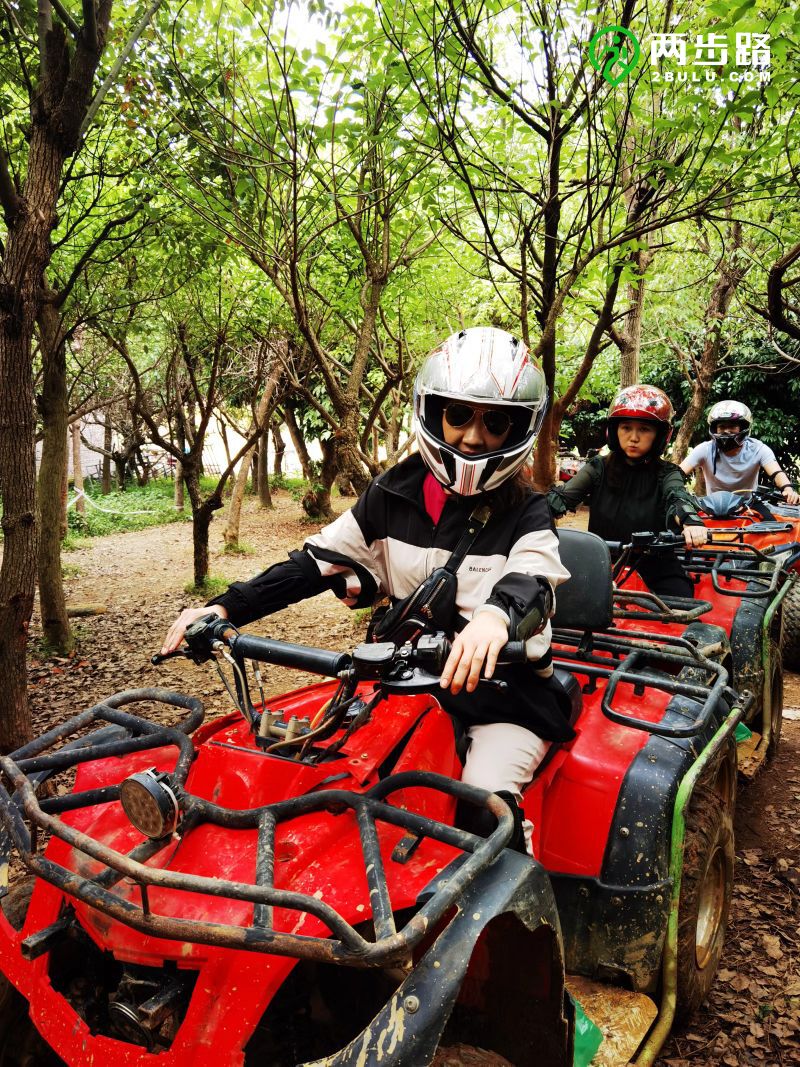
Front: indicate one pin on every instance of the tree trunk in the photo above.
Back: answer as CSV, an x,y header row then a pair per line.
x,y
343,485
317,501
264,495
298,441
395,423
58,105
202,514
630,337
17,488
701,386
705,369
107,439
223,432
256,463
348,461
25,256
77,469
180,502
546,452
280,449
142,468
52,405
231,534
65,485
201,522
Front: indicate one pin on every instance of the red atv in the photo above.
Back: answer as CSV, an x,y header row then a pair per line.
x,y
287,884
763,518
737,615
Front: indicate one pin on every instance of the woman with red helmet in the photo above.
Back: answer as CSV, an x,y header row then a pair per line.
x,y
634,489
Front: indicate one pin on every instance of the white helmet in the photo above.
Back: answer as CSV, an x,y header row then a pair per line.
x,y
481,365
729,411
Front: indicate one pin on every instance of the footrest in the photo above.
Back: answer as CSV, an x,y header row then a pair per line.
x,y
623,1017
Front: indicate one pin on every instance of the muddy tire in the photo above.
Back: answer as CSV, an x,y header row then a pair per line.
x,y
20,1042
705,898
790,644
725,780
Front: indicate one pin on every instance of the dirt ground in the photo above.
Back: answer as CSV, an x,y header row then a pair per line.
x,y
753,1014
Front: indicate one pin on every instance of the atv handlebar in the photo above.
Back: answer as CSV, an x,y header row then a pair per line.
x,y
203,636
384,661
642,540
401,669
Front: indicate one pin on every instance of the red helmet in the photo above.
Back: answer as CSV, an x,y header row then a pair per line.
x,y
645,402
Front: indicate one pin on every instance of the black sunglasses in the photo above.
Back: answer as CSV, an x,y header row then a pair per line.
x,y
459,415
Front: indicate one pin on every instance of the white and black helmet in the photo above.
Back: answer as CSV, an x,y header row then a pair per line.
x,y
729,411
481,365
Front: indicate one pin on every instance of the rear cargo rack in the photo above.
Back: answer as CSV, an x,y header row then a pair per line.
x,y
759,571
648,660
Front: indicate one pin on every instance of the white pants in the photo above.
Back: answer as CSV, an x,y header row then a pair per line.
x,y
504,756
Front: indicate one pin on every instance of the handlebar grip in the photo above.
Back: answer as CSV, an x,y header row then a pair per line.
x,y
514,652
286,654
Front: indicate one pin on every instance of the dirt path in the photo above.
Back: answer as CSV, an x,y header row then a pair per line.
x,y
753,1014
140,578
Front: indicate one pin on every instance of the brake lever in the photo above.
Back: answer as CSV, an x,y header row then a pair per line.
x,y
419,681
494,683
179,653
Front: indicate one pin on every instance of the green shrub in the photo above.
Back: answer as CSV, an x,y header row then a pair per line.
x,y
283,481
134,509
212,586
241,548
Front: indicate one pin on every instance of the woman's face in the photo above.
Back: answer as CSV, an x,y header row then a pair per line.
x,y
475,428
636,437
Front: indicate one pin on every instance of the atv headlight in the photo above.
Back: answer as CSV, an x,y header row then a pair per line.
x,y
149,802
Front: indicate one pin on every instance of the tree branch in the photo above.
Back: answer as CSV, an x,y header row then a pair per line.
x,y
64,15
89,25
111,78
776,311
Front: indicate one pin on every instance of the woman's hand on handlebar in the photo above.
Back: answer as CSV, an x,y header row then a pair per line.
x,y
694,536
184,621
479,643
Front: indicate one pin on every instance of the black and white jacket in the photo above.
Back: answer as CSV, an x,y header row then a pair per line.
x,y
387,544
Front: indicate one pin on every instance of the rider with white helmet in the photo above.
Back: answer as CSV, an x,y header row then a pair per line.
x,y
731,459
479,401
492,370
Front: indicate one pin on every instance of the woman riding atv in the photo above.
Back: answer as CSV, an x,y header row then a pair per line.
x,y
731,459
459,508
633,489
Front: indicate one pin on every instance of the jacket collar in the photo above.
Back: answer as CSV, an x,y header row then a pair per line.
x,y
405,480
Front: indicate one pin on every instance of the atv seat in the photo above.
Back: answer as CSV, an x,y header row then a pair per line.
x,y
570,683
585,600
